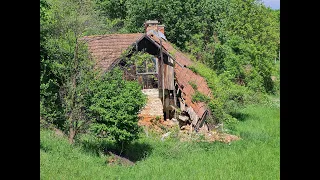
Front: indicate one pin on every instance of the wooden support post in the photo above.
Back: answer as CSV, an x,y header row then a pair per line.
x,y
162,68
175,102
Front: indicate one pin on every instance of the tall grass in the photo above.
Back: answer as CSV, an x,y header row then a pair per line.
x,y
255,156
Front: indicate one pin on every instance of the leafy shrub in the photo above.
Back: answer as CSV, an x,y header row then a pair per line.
x,y
115,104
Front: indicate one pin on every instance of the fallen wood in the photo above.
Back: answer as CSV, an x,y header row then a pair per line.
x,y
183,118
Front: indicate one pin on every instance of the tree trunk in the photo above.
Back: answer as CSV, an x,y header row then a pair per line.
x,y
72,134
72,131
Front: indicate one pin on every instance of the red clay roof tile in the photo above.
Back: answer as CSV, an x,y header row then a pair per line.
x,y
184,75
107,48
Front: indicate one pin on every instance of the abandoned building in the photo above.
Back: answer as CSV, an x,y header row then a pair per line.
x,y
167,82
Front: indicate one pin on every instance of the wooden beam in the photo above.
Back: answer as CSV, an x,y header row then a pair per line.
x,y
175,102
162,68
201,121
148,73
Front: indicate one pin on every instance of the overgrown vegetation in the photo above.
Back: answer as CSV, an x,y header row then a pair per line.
x,y
255,156
193,85
238,40
73,95
113,107
228,97
199,97
142,60
235,45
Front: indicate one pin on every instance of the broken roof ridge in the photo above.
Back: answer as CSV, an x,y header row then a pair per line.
x,y
98,37
105,35
107,49
159,34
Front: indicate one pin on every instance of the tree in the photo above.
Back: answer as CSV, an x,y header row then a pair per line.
x,y
242,41
112,9
50,108
67,59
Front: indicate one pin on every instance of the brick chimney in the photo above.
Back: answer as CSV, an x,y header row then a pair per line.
x,y
161,28
153,25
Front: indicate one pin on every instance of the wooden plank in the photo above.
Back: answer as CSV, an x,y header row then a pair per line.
x,y
160,74
193,116
182,104
183,118
169,74
201,121
148,73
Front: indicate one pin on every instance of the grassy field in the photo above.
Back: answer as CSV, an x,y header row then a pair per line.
x,y
255,156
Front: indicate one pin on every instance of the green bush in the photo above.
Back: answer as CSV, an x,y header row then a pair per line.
x,y
114,107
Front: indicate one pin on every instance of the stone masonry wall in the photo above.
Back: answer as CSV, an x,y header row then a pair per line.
x,y
153,107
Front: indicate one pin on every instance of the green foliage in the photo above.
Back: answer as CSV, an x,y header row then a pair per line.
x,y
182,19
65,65
71,66
239,39
193,85
199,97
49,102
277,78
113,14
112,9
50,110
143,62
114,107
228,97
193,69
225,35
158,118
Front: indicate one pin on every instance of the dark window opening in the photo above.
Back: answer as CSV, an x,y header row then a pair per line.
x,y
148,81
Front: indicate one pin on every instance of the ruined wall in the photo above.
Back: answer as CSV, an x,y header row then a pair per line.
x,y
153,107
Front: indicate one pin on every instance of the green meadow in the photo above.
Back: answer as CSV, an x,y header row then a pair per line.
x,y
255,156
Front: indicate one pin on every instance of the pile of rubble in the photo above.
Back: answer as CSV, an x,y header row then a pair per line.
x,y
186,131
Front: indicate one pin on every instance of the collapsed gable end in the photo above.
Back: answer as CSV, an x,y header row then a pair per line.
x,y
183,75
107,51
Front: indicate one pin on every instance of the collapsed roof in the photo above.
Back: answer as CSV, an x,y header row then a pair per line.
x,y
107,49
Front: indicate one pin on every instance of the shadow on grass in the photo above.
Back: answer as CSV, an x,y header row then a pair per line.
x,y
256,136
134,152
93,147
240,116
137,151
44,148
